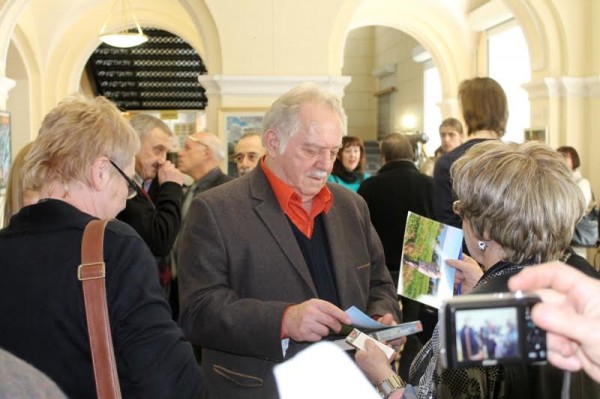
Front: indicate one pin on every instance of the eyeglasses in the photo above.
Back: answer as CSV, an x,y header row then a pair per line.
x,y
457,208
132,187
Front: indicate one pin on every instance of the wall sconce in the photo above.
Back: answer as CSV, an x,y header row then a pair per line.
x,y
119,36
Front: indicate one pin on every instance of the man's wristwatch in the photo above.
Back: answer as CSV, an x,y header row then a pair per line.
x,y
390,385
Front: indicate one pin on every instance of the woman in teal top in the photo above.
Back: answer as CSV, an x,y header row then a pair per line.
x,y
349,167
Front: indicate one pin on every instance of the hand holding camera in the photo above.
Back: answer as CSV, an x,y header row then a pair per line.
x,y
570,312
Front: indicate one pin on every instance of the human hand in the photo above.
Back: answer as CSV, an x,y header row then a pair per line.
x,y
468,272
313,319
168,172
569,312
388,320
373,362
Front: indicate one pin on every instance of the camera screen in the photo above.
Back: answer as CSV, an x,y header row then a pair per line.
x,y
487,334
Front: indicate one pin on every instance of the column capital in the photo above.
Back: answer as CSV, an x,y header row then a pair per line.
x,y
267,86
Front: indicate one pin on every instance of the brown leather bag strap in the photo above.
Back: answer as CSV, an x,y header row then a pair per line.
x,y
91,273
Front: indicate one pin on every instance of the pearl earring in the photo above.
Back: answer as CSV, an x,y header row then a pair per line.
x,y
482,245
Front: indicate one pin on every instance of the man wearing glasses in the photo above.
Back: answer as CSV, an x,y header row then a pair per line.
x,y
200,158
154,207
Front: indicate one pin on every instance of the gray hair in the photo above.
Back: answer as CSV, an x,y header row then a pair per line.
x,y
250,134
214,143
284,115
523,196
144,123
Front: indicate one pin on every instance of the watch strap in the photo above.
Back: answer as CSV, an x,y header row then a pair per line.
x,y
389,385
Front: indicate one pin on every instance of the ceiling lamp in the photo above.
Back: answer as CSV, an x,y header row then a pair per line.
x,y
119,35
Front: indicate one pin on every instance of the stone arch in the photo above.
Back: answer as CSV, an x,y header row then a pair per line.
x,y
9,14
73,48
542,30
69,52
448,44
204,22
30,64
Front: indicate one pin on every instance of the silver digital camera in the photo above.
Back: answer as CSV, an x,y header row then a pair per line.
x,y
489,330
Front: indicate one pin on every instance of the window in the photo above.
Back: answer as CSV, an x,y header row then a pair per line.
x,y
384,112
508,64
432,115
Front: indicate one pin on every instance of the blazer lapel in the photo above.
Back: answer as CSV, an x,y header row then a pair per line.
x,y
271,214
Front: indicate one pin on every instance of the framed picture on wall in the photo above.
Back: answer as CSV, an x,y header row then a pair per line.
x,y
5,148
234,123
537,135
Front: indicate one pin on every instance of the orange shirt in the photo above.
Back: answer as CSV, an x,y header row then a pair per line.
x,y
291,203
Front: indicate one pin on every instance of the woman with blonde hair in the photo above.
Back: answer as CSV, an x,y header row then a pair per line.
x,y
16,195
81,165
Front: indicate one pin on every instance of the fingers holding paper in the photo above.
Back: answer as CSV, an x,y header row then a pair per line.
x,y
373,362
468,272
312,320
388,320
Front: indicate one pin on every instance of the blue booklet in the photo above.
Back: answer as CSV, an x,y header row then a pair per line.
x,y
424,274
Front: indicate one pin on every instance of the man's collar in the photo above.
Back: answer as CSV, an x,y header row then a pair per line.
x,y
285,194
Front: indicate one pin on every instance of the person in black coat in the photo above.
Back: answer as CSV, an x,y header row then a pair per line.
x,y
397,188
199,158
155,211
80,165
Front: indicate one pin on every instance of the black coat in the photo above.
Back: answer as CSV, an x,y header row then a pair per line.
x,y
157,224
397,188
43,309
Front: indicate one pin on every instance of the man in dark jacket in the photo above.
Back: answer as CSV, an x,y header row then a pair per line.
x,y
155,211
199,158
398,188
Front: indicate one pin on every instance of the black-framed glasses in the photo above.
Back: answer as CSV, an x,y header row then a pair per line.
x,y
457,208
133,188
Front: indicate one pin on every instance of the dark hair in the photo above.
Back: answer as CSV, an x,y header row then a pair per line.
x,y
396,146
453,123
349,141
484,105
572,153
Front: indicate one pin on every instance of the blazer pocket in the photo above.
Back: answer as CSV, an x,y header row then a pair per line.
x,y
365,266
239,379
